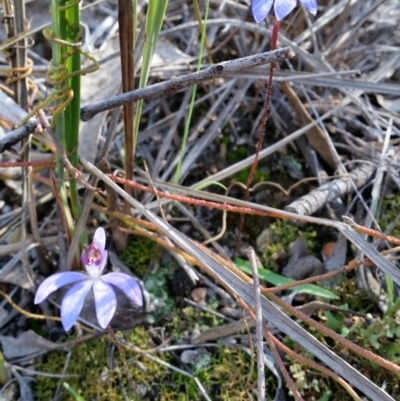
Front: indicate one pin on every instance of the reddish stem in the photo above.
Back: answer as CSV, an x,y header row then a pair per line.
x,y
263,125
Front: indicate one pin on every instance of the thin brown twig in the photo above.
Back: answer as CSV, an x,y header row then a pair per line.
x,y
263,126
278,359
127,33
370,231
76,174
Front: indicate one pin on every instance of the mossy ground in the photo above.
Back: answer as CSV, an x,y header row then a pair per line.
x,y
226,373
223,371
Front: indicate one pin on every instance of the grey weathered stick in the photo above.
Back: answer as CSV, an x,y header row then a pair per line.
x,y
174,85
158,90
13,137
251,255
316,199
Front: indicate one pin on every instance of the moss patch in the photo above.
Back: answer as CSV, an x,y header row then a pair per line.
x,y
140,253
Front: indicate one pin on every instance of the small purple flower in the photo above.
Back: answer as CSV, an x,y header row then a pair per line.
x,y
282,8
94,258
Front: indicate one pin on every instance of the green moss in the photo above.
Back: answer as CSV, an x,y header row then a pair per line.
x,y
156,283
140,253
183,321
279,235
390,211
224,372
92,361
260,175
380,335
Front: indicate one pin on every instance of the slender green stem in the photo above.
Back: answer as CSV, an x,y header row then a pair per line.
x,y
56,61
193,98
154,19
66,60
73,35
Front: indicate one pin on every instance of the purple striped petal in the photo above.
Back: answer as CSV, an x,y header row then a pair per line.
x,y
100,238
283,8
311,6
127,284
73,301
55,282
106,302
260,9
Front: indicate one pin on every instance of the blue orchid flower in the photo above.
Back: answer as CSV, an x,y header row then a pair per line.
x,y
282,8
94,258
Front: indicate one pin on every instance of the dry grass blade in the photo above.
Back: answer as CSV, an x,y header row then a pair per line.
x,y
270,312
380,261
259,325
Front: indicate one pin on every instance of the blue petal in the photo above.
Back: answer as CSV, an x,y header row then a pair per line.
x,y
106,302
283,8
127,284
55,282
100,238
311,5
260,9
73,301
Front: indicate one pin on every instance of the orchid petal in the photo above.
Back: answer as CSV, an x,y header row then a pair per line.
x,y
283,8
73,301
127,284
99,239
106,302
260,9
103,261
84,258
55,282
311,6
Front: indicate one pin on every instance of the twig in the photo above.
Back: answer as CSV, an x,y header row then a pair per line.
x,y
26,313
13,137
259,326
76,174
127,35
261,133
174,85
316,199
370,231
270,337
158,90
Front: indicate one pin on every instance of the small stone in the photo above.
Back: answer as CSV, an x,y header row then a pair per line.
x,y
199,294
188,356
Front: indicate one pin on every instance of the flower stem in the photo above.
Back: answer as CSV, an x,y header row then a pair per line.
x,y
263,125
123,355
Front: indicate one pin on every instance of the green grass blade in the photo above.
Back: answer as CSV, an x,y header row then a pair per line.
x,y
73,392
390,289
278,280
193,98
209,183
154,19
